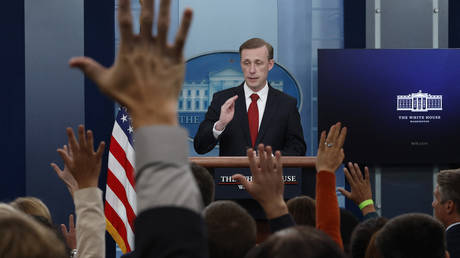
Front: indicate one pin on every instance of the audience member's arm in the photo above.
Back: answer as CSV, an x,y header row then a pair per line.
x,y
361,192
267,186
70,235
65,174
147,77
85,166
330,156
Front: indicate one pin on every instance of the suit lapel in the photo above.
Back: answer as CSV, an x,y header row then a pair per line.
x,y
241,115
270,108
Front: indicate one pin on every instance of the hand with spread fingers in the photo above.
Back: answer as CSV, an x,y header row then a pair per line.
x,y
360,186
330,152
84,164
267,185
147,74
65,174
70,235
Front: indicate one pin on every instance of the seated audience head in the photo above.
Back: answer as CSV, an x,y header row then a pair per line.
x,y
371,250
362,234
205,182
446,203
22,236
33,207
299,241
411,235
231,230
348,223
303,209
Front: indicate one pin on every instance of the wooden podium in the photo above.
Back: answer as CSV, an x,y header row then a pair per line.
x,y
242,162
307,164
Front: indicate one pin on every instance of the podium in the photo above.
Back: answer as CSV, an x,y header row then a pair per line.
x,y
239,162
299,173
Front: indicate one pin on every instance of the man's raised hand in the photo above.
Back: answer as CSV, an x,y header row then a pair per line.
x,y
226,113
147,74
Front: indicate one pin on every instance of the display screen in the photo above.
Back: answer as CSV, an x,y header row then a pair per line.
x,y
400,105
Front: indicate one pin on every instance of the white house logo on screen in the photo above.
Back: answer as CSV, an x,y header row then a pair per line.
x,y
419,102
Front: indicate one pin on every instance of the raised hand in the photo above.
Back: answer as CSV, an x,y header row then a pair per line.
x,y
84,164
147,74
70,235
267,185
330,152
360,186
226,113
65,174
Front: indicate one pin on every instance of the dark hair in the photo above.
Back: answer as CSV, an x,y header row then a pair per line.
x,y
449,186
371,250
302,209
231,230
299,241
205,183
256,43
412,235
348,223
362,234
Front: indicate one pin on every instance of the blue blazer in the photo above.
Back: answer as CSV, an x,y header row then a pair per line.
x,y
280,126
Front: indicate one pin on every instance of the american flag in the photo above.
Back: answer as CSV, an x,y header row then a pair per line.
x,y
120,195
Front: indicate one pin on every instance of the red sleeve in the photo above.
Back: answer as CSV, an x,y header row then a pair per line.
x,y
327,206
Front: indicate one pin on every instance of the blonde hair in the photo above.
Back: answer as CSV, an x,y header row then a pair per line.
x,y
32,206
22,236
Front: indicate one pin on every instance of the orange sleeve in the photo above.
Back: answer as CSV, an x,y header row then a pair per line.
x,y
327,206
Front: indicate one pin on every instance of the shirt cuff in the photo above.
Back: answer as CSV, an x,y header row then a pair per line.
x,y
216,133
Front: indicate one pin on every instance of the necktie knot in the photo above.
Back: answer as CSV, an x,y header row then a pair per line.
x,y
254,97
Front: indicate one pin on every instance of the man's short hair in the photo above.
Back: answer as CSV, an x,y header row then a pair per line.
x,y
449,186
231,230
412,235
299,241
256,43
22,236
205,183
303,209
362,234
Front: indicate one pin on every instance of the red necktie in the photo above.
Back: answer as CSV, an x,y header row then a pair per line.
x,y
253,118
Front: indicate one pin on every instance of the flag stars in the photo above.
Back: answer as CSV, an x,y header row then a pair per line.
x,y
124,118
130,129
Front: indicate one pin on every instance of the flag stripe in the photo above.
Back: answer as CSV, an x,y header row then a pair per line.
x,y
120,173
120,210
122,138
120,192
118,224
123,162
115,235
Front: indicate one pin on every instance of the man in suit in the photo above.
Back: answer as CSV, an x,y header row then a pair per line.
x,y
253,112
446,205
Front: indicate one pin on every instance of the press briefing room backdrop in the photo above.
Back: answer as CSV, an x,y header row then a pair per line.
x,y
43,96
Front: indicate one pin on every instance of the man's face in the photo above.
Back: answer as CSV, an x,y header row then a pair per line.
x,y
439,210
255,65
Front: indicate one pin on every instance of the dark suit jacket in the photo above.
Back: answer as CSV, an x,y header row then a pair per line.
x,y
453,241
280,126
